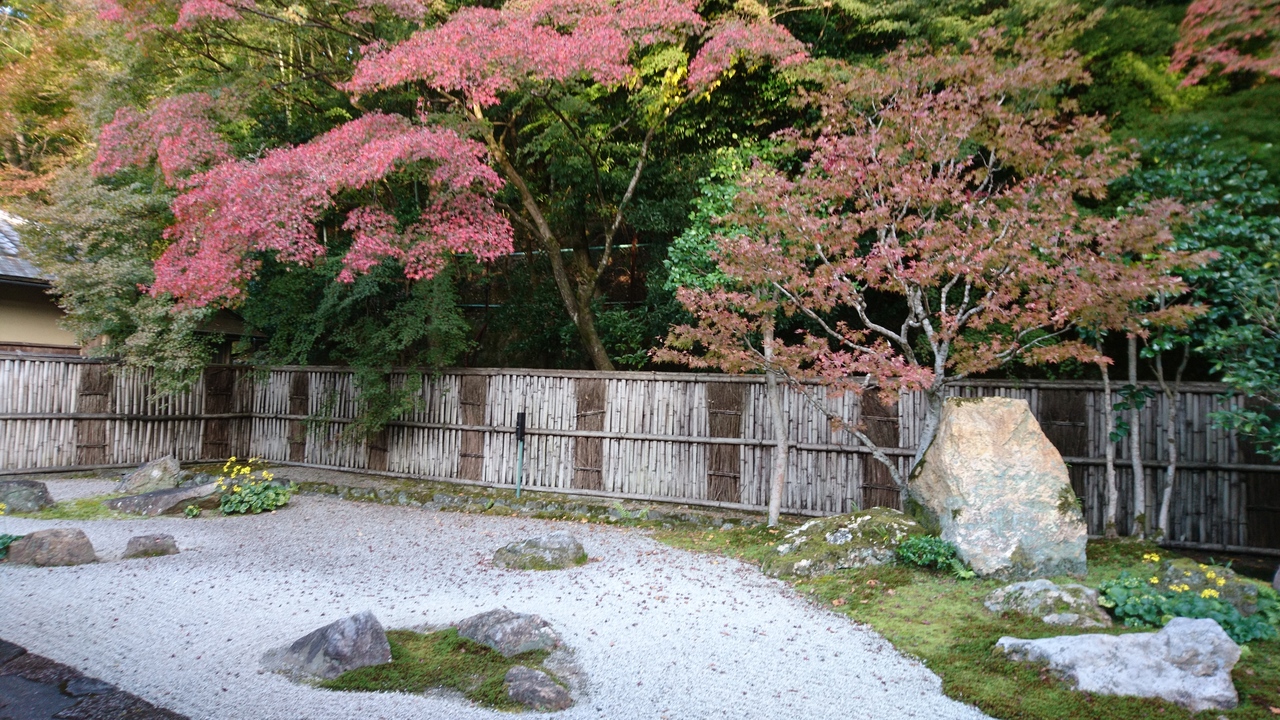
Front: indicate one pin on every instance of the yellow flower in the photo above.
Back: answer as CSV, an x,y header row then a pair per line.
x,y
3,507
1203,566
1211,575
1208,593
1151,557
235,489
1222,581
1154,581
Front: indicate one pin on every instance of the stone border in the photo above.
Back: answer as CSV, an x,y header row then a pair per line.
x,y
38,687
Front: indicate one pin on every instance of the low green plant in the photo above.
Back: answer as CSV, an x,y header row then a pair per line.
x,y
1269,605
934,553
249,488
5,542
191,511
1146,602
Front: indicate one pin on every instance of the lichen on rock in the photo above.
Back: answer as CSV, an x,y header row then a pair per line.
x,y
859,539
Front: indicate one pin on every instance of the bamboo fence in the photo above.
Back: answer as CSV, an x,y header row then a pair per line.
x,y
683,437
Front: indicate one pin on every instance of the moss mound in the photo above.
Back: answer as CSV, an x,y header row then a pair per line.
x,y
857,540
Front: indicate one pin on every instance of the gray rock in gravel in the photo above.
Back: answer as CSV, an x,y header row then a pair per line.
x,y
23,699
55,547
9,651
24,496
993,484
161,474
168,502
150,546
549,552
535,689
82,686
354,642
1071,605
508,632
1188,662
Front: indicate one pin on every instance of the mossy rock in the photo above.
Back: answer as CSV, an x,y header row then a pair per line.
x,y
857,540
1198,577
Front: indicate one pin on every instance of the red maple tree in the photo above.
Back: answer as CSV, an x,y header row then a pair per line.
x,y
1226,37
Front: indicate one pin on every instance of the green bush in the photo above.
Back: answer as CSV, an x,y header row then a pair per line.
x,y
1143,602
250,489
931,552
5,542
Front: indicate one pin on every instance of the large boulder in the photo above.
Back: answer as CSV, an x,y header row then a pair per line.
x,y
150,546
535,689
549,552
1188,662
354,642
508,632
993,484
857,540
51,548
161,474
23,496
168,502
1071,605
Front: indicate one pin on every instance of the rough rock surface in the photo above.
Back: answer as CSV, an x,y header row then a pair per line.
x,y
1071,605
36,688
824,545
161,474
24,496
535,689
994,485
549,552
55,547
1198,577
1188,662
150,546
353,642
168,502
508,632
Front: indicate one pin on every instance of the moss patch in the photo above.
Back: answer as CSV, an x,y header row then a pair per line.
x,y
89,508
823,545
440,660
942,621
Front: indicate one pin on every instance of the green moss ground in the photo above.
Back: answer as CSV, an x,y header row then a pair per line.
x,y
942,621
422,662
89,508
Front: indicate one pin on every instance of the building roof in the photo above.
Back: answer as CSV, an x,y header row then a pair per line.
x,y
12,265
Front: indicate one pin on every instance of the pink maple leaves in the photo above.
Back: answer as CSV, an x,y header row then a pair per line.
x,y
1229,36
177,133
240,209
482,53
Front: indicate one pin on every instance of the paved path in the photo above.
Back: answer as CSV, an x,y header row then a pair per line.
x,y
659,632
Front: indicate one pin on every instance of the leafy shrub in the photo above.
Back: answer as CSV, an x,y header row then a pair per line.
x,y
5,542
192,511
1146,602
1269,605
927,551
248,488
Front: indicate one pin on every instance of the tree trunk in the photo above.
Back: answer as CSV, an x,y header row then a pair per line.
x,y
782,446
1113,492
935,396
1170,437
1139,528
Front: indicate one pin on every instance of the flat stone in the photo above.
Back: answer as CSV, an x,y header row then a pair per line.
x,y
9,651
169,502
82,686
55,547
22,699
354,642
161,474
993,484
549,552
1187,662
150,546
508,632
535,689
24,496
1070,605
821,546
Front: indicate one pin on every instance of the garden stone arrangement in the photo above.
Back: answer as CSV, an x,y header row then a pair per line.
x,y
556,551
857,540
535,689
150,546
993,484
162,474
353,642
170,501
23,496
53,548
1188,662
508,632
1072,605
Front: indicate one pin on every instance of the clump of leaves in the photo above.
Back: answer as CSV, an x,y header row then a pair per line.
x,y
442,659
191,511
1145,602
927,551
249,488
5,542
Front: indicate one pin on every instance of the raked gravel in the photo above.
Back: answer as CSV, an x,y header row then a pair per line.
x,y
659,632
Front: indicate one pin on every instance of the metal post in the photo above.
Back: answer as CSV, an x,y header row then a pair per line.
x,y
519,451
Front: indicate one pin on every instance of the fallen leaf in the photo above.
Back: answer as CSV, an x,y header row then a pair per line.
x,y
838,602
1274,710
